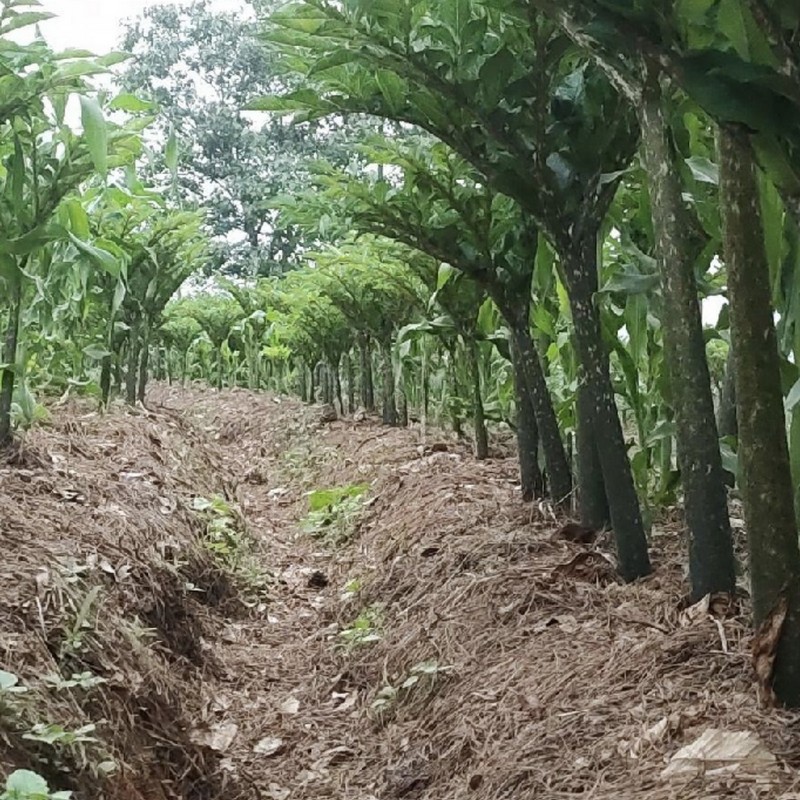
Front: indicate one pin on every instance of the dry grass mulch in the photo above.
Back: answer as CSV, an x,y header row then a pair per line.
x,y
496,660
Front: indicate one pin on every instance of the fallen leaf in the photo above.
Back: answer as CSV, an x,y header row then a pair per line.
x,y
217,737
565,622
268,746
718,751
588,566
664,728
291,705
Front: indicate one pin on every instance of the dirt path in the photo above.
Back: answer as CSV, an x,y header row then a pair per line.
x,y
505,664
438,644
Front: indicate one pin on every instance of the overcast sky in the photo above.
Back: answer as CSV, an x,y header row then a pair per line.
x,y
97,24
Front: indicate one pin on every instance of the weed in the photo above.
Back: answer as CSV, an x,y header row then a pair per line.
x,y
26,785
227,540
422,676
223,536
332,512
9,690
351,590
75,633
365,629
85,681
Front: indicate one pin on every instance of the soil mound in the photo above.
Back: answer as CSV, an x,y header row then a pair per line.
x,y
104,596
418,632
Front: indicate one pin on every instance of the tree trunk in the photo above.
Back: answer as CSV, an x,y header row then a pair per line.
x,y
765,480
712,563
351,384
367,383
337,384
479,419
555,457
531,478
592,497
389,405
10,358
726,413
312,389
402,407
580,267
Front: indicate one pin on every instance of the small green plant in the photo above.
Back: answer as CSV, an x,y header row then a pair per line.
x,y
422,675
332,512
50,733
365,629
75,633
351,589
84,680
223,535
26,785
227,540
9,690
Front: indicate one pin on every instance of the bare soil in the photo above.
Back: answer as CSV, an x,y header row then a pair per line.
x,y
444,643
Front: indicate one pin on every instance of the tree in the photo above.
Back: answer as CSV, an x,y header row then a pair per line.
x,y
199,67
560,132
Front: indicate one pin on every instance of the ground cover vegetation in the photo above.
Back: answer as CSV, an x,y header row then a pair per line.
x,y
500,217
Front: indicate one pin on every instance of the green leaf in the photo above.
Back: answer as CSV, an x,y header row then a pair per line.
x,y
27,785
793,398
446,274
703,170
7,680
102,258
23,20
96,133
96,352
393,89
130,102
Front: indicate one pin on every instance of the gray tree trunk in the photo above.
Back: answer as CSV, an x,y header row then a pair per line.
x,y
765,475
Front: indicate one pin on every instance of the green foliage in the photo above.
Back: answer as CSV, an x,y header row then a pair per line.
x,y
223,536
22,784
364,630
333,512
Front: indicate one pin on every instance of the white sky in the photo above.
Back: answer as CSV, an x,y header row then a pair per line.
x,y
96,25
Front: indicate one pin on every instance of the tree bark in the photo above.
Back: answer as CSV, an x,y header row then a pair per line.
x,y
479,419
592,498
312,389
351,384
105,381
337,385
453,390
558,472
531,478
389,406
367,383
726,413
711,558
580,268
144,368
764,469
